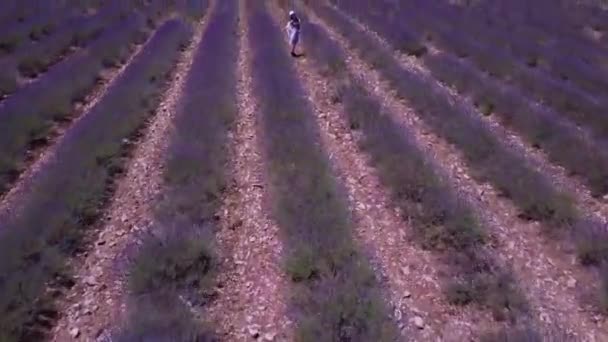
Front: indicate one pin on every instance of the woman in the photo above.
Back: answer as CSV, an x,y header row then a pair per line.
x,y
293,31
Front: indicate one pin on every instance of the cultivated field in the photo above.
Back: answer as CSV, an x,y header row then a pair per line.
x,y
421,171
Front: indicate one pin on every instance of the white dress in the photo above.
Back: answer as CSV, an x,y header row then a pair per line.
x,y
293,33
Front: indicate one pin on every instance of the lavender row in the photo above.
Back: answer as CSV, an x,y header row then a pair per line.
x,y
381,13
585,68
530,191
9,12
35,58
585,15
491,31
562,98
577,105
35,246
593,15
158,10
26,122
491,160
335,291
20,11
541,128
194,9
43,21
549,22
78,32
561,63
442,221
179,260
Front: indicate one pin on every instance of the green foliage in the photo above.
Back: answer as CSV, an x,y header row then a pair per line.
x,y
301,266
176,261
8,80
161,317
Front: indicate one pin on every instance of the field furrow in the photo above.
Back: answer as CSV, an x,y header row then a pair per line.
x,y
541,128
490,159
31,60
27,124
415,170
492,209
552,54
98,296
561,96
69,197
580,154
563,143
34,23
39,157
409,274
587,224
567,101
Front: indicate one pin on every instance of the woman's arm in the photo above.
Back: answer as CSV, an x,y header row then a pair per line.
x,y
288,28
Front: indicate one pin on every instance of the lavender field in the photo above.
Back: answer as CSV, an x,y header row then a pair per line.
x,y
418,171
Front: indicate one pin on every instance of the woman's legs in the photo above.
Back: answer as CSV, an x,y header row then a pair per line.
x,y
294,42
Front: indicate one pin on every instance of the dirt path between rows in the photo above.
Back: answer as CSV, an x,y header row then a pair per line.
x,y
252,302
96,302
544,275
